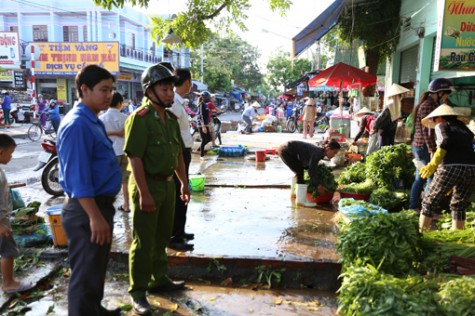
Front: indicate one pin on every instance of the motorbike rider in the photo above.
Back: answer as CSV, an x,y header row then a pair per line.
x,y
42,109
53,113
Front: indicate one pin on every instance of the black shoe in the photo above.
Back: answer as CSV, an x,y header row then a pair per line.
x,y
110,312
188,236
141,306
180,245
169,286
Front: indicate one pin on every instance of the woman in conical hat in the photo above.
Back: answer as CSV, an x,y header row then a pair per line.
x,y
386,123
453,164
367,120
423,138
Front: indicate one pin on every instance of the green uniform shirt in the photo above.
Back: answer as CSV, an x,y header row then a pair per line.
x,y
157,144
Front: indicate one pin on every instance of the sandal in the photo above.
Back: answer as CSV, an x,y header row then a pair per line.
x,y
24,286
121,208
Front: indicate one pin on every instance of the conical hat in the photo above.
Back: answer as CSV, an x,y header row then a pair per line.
x,y
443,110
310,101
363,112
256,104
396,89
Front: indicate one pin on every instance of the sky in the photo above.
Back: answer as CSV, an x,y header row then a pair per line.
x,y
266,30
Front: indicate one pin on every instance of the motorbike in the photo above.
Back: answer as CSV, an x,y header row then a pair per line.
x,y
48,159
22,113
194,129
293,122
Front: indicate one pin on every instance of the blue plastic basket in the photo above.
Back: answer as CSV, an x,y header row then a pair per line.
x,y
232,151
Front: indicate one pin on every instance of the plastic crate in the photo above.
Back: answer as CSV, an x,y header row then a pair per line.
x,y
232,151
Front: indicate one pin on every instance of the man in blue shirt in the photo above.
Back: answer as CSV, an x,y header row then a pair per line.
x,y
6,107
90,176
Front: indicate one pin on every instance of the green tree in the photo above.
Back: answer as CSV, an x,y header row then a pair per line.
x,y
194,26
227,60
376,24
281,70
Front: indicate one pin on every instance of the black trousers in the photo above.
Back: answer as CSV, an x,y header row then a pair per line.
x,y
180,206
88,261
205,139
292,161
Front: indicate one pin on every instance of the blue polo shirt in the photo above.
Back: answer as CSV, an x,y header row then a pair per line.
x,y
88,166
6,105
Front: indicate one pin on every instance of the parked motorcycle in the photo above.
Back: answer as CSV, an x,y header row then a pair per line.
x,y
22,113
48,160
293,122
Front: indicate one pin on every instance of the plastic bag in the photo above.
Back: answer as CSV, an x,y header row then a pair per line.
x,y
17,200
359,208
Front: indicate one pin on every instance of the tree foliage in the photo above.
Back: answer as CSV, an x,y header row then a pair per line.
x,y
227,60
281,70
376,24
194,26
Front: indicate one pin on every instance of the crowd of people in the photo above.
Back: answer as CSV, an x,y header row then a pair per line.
x,y
99,156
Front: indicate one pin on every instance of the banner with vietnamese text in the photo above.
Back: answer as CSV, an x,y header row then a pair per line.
x,y
68,58
455,46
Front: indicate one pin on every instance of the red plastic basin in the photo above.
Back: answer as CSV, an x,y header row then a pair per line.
x,y
322,198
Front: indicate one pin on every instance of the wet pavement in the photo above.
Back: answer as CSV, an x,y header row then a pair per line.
x,y
243,219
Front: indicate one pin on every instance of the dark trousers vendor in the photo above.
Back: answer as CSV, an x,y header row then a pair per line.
x,y
453,164
300,156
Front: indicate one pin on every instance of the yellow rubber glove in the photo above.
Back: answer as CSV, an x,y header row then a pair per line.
x,y
431,167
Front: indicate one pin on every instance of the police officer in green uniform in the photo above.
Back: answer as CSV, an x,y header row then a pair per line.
x,y
154,147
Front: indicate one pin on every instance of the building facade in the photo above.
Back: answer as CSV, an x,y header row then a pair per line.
x,y
413,63
70,35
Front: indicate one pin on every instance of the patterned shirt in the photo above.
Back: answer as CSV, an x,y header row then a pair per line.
x,y
424,135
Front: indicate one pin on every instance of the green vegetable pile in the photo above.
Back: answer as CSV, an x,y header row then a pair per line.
x,y
382,169
457,296
390,163
392,269
390,241
367,291
354,173
389,199
444,233
366,186
26,221
326,179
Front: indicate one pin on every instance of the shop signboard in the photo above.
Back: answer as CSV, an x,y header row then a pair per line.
x,y
6,75
9,50
19,80
70,57
125,76
455,46
61,89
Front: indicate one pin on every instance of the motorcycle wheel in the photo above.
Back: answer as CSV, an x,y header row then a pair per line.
x,y
34,132
50,178
12,119
291,126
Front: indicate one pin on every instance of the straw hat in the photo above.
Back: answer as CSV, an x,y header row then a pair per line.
x,y
443,110
310,101
396,89
256,104
363,112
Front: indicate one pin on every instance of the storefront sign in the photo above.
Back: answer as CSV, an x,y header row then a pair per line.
x,y
455,47
61,89
125,76
6,75
19,79
9,50
69,58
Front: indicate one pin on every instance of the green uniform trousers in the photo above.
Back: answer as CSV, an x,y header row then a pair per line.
x,y
151,232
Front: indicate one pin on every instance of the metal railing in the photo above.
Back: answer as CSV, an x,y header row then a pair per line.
x,y
130,52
